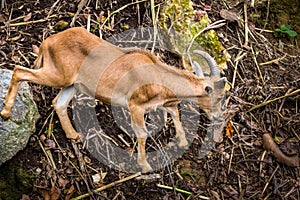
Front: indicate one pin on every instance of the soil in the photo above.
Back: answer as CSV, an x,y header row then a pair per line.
x,y
55,167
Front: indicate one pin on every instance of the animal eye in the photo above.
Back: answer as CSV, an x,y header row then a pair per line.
x,y
208,90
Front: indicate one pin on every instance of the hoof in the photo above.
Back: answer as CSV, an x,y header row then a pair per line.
x,y
183,143
146,168
5,114
73,136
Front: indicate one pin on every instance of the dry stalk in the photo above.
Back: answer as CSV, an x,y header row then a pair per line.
x,y
257,66
117,11
52,8
80,6
246,24
273,61
267,183
273,100
109,185
27,23
171,188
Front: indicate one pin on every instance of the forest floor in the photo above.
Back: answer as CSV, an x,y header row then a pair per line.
x,y
263,99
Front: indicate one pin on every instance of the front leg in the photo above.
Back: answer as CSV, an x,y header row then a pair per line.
x,y
180,134
139,128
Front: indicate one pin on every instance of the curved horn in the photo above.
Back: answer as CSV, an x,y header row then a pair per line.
x,y
198,69
214,69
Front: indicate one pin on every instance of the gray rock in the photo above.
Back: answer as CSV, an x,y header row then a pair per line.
x,y
15,132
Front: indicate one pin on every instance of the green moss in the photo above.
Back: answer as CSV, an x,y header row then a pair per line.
x,y
14,182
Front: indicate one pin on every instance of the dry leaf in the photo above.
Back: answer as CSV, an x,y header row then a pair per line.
x,y
70,192
63,181
230,16
229,130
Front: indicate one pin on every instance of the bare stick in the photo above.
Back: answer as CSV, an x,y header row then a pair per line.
x,y
171,188
272,100
273,61
116,11
30,22
267,183
52,8
257,66
153,23
80,6
246,25
109,185
214,25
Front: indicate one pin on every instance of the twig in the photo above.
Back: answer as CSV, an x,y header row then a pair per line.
x,y
22,55
267,183
51,9
214,25
80,6
29,22
273,61
171,188
154,24
238,58
246,24
267,17
257,66
123,140
88,26
109,185
272,100
116,11
230,160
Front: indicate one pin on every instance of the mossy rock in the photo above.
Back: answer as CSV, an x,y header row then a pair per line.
x,y
179,15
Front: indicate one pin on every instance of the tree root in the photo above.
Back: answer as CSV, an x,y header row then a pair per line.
x,y
271,146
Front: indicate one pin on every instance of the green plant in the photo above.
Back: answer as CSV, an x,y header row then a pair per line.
x,y
285,30
144,182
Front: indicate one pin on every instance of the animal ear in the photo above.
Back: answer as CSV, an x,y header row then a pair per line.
x,y
198,69
220,84
208,90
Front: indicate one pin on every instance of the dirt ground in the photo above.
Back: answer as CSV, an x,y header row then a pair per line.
x,y
264,98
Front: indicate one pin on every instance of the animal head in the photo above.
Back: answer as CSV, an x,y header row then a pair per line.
x,y
212,103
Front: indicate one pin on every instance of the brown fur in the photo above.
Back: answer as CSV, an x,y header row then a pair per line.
x,y
136,79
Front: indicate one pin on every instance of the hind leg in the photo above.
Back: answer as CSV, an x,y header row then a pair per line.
x,y
60,104
43,76
13,90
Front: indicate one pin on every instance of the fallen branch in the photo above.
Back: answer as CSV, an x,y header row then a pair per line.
x,y
272,100
109,185
270,145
